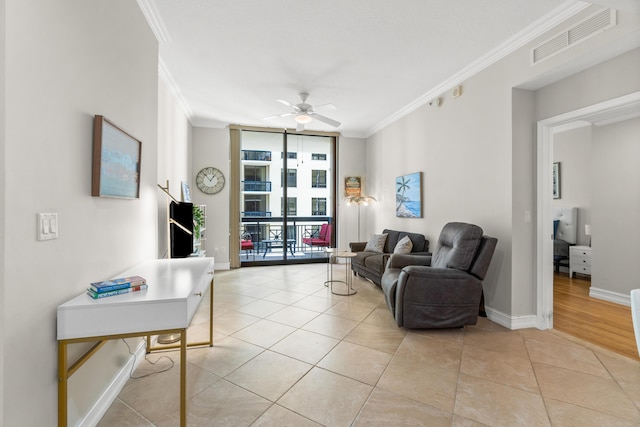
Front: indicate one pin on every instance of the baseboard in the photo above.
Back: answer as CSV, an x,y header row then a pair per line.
x,y
222,266
105,401
511,322
615,297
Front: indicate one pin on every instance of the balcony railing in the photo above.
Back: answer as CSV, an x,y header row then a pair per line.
x,y
256,214
259,155
259,230
256,186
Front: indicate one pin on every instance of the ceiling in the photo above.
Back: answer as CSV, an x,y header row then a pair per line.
x,y
228,61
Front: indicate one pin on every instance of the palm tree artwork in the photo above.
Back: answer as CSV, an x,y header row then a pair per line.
x,y
408,196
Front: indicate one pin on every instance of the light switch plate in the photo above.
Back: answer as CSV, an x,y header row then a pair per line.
x,y
47,226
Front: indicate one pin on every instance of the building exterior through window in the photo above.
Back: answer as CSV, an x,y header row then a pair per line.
x,y
275,203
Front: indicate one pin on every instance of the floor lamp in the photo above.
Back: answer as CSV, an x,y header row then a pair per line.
x,y
359,200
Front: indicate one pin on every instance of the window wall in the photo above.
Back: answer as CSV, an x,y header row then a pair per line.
x,y
279,217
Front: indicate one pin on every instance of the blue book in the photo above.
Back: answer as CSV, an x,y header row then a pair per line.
x,y
96,295
116,284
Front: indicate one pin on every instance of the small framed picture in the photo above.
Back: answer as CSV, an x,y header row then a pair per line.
x,y
556,180
352,186
186,193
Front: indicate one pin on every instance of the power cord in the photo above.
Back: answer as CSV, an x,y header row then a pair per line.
x,y
149,361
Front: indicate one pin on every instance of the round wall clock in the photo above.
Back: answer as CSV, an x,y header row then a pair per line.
x,y
210,180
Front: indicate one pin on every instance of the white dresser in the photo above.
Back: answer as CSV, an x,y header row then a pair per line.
x,y
579,260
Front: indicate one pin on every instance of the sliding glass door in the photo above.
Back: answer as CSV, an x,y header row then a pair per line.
x,y
287,194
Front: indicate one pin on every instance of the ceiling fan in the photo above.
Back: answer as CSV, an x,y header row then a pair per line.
x,y
305,113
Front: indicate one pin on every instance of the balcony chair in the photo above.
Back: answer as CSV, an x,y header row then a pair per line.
x,y
323,239
246,244
443,290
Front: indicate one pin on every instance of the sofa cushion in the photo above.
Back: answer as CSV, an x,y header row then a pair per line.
x,y
457,246
403,246
376,243
371,261
375,262
419,242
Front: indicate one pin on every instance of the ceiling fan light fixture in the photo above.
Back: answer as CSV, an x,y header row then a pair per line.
x,y
303,118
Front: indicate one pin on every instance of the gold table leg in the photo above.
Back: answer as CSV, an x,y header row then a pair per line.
x,y
183,378
62,384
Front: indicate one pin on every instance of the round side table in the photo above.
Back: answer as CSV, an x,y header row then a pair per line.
x,y
347,256
330,255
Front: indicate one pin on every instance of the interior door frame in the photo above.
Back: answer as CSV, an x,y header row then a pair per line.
x,y
611,111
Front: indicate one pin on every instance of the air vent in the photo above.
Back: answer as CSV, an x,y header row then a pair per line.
x,y
583,30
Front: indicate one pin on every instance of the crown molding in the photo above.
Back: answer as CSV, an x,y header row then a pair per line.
x,y
153,19
560,14
165,74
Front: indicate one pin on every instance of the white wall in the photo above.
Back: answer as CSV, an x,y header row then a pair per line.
x,y
174,155
2,200
351,162
465,158
615,183
522,291
65,62
573,150
211,148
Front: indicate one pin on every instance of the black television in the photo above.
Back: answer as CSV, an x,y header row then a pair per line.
x,y
181,229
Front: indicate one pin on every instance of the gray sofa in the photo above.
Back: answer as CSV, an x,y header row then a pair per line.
x,y
443,290
371,265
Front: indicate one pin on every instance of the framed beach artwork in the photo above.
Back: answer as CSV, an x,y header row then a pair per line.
x,y
116,161
409,196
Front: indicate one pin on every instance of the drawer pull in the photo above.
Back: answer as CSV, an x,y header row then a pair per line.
x,y
198,294
210,272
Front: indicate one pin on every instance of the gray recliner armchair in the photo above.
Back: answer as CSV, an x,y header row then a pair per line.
x,y
443,290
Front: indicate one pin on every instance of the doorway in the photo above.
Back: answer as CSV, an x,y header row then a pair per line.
x,y
286,196
617,109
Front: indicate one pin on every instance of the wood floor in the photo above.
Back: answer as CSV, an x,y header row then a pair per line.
x,y
596,321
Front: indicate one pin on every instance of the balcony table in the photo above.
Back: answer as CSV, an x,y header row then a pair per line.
x,y
278,243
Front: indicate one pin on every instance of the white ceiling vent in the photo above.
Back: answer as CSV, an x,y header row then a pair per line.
x,y
581,31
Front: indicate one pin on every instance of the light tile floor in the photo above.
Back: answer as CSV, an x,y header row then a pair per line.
x,y
289,353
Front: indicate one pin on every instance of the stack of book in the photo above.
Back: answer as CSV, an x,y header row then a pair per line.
x,y
112,287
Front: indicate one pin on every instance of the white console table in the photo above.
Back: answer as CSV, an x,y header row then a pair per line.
x,y
175,289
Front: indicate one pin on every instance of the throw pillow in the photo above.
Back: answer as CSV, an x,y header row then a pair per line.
x,y
376,243
404,246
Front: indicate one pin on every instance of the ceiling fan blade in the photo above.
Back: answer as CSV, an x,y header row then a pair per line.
x,y
326,120
300,127
287,103
324,107
279,115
